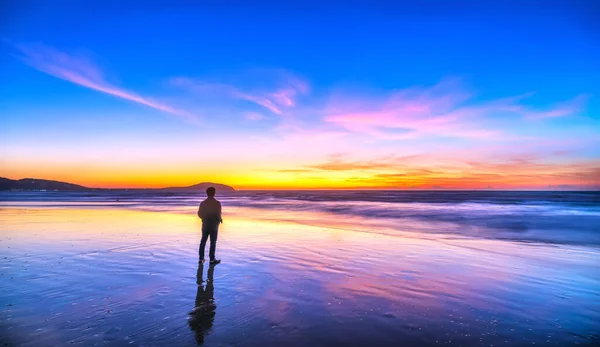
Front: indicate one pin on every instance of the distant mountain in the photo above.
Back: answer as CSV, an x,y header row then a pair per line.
x,y
200,187
39,184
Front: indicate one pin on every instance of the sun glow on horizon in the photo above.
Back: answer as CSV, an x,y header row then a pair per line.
x,y
302,107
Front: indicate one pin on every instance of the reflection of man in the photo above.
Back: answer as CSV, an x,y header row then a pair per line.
x,y
203,315
210,213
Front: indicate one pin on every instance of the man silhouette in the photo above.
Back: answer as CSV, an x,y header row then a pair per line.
x,y
210,213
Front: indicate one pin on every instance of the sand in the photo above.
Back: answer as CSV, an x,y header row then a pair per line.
x,y
116,276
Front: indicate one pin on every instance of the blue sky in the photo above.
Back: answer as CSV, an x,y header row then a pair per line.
x,y
518,78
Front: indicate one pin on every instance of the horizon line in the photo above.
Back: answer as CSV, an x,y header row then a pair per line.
x,y
349,188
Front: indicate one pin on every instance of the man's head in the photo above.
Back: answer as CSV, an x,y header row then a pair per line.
x,y
210,191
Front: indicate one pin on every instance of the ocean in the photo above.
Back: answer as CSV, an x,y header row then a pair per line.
x,y
528,216
319,268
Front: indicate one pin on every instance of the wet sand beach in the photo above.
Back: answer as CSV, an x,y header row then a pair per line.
x,y
109,275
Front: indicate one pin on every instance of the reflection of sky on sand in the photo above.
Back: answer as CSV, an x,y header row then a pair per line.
x,y
119,275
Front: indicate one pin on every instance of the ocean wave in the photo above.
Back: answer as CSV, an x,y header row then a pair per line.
x,y
550,217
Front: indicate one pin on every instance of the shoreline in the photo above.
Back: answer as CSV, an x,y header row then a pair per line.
x,y
110,275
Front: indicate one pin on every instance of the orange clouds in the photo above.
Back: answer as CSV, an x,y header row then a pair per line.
x,y
417,172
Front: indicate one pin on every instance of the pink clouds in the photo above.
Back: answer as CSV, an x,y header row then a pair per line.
x,y
441,110
278,98
83,72
287,94
445,110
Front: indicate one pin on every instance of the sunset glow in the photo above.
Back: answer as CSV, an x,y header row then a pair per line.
x,y
366,99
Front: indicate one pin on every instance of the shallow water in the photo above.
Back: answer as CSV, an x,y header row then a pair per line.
x,y
529,216
96,273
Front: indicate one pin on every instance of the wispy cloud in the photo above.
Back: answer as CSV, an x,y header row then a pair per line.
x,y
504,142
254,116
563,109
501,174
376,164
83,72
343,162
282,95
575,179
499,166
444,110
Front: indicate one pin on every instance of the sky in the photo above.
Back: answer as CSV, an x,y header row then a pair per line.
x,y
302,95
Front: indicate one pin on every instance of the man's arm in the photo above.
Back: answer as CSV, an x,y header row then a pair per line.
x,y
200,211
220,216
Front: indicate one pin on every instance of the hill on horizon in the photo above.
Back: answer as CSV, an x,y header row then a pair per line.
x,y
37,184
201,186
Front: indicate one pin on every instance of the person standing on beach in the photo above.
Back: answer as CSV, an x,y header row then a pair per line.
x,y
210,213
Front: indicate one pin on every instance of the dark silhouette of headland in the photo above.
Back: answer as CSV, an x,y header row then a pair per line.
x,y
200,187
36,184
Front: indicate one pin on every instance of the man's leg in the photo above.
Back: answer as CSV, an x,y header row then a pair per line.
x,y
205,234
213,242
